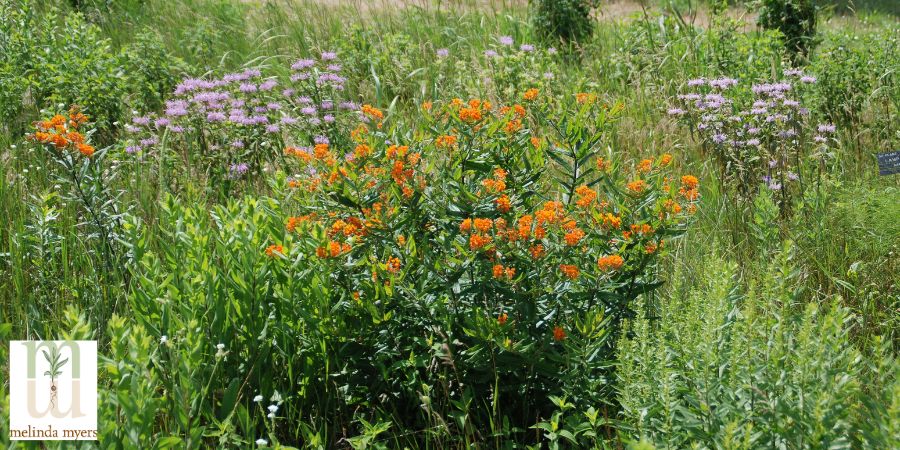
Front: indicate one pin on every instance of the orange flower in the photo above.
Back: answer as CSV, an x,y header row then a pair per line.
x,y
586,196
470,115
502,318
401,240
690,181
483,225
571,272
361,151
665,159
499,271
392,265
445,141
372,112
612,221
637,186
503,203
465,226
645,165
86,150
59,141
530,94
535,141
603,165
510,273
75,137
512,126
584,97
477,241
573,237
273,250
520,110
610,263
426,106
559,334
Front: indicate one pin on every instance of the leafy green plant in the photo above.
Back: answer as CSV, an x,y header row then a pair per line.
x,y
563,20
795,19
742,369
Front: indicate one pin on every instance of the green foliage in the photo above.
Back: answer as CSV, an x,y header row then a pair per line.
x,y
795,19
725,367
563,20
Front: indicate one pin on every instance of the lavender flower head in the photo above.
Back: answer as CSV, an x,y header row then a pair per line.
x,y
826,128
490,53
329,56
526,48
442,52
506,40
303,64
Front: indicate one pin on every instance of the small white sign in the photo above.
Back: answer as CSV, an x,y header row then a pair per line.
x,y
52,390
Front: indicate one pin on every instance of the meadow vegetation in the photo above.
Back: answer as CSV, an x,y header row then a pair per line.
x,y
469,224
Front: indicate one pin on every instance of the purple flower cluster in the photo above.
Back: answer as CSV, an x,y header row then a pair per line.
x,y
247,109
771,129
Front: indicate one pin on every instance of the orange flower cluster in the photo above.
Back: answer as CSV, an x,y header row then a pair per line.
x,y
503,273
559,334
496,184
504,204
690,187
637,186
446,141
274,250
374,113
333,250
610,263
62,132
571,272
392,265
603,165
502,319
531,94
294,222
645,166
665,159
586,196
479,239
574,236
584,97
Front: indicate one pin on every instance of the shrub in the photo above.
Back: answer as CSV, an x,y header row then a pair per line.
x,y
795,19
563,20
733,368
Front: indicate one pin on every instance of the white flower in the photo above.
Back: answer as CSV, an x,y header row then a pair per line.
x,y
220,346
273,408
271,415
163,339
262,442
258,398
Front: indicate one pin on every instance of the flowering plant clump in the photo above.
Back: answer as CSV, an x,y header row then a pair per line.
x,y
772,139
243,120
82,171
460,219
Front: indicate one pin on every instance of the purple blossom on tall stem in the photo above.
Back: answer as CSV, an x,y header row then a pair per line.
x,y
490,53
442,52
329,56
506,40
526,48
